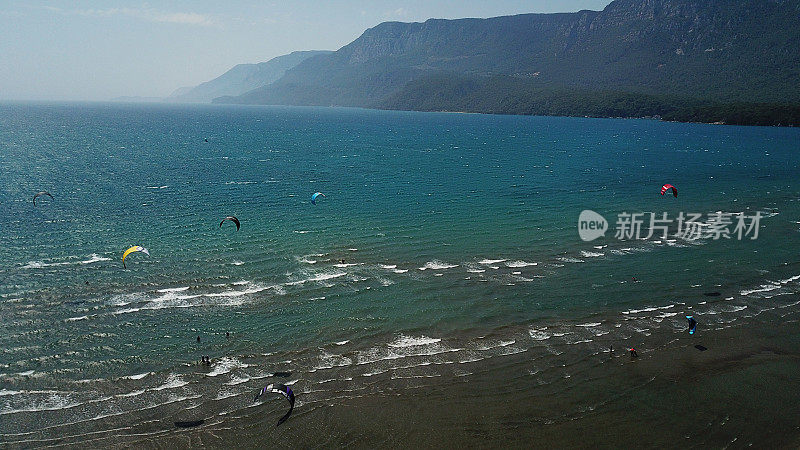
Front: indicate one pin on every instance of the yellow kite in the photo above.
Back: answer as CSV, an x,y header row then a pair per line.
x,y
135,248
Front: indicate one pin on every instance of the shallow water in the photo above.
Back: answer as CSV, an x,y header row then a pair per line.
x,y
446,249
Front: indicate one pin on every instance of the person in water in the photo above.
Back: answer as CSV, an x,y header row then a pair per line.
x,y
633,353
198,338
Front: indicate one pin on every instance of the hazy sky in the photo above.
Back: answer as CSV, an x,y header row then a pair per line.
x,y
99,49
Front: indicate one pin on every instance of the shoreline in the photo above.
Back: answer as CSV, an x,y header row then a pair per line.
x,y
738,391
722,389
575,116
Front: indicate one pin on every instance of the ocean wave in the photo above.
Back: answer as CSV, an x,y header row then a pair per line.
x,y
377,372
177,289
498,344
173,381
409,341
75,319
316,278
569,259
649,309
237,380
519,263
223,394
137,376
790,279
93,258
760,289
51,402
588,254
224,365
330,360
400,377
490,262
539,334
233,293
437,265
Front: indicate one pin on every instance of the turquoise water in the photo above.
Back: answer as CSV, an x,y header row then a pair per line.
x,y
437,230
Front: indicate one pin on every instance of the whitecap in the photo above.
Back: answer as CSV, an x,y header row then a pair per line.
x,y
137,376
490,261
225,365
762,288
520,263
177,289
790,279
569,259
93,258
237,380
410,341
654,308
319,277
540,334
75,319
437,265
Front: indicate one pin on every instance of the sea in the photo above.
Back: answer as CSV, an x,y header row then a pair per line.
x,y
438,295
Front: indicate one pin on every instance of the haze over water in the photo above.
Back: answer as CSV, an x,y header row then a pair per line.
x,y
444,254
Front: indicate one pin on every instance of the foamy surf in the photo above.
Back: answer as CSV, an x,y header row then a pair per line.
x,y
177,289
225,365
490,262
761,289
410,341
437,265
519,263
653,308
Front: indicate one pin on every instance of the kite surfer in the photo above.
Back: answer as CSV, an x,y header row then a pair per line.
x,y
692,324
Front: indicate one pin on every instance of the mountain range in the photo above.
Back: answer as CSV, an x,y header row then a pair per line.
x,y
731,61
242,78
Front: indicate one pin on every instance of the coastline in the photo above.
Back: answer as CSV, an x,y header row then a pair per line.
x,y
735,393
